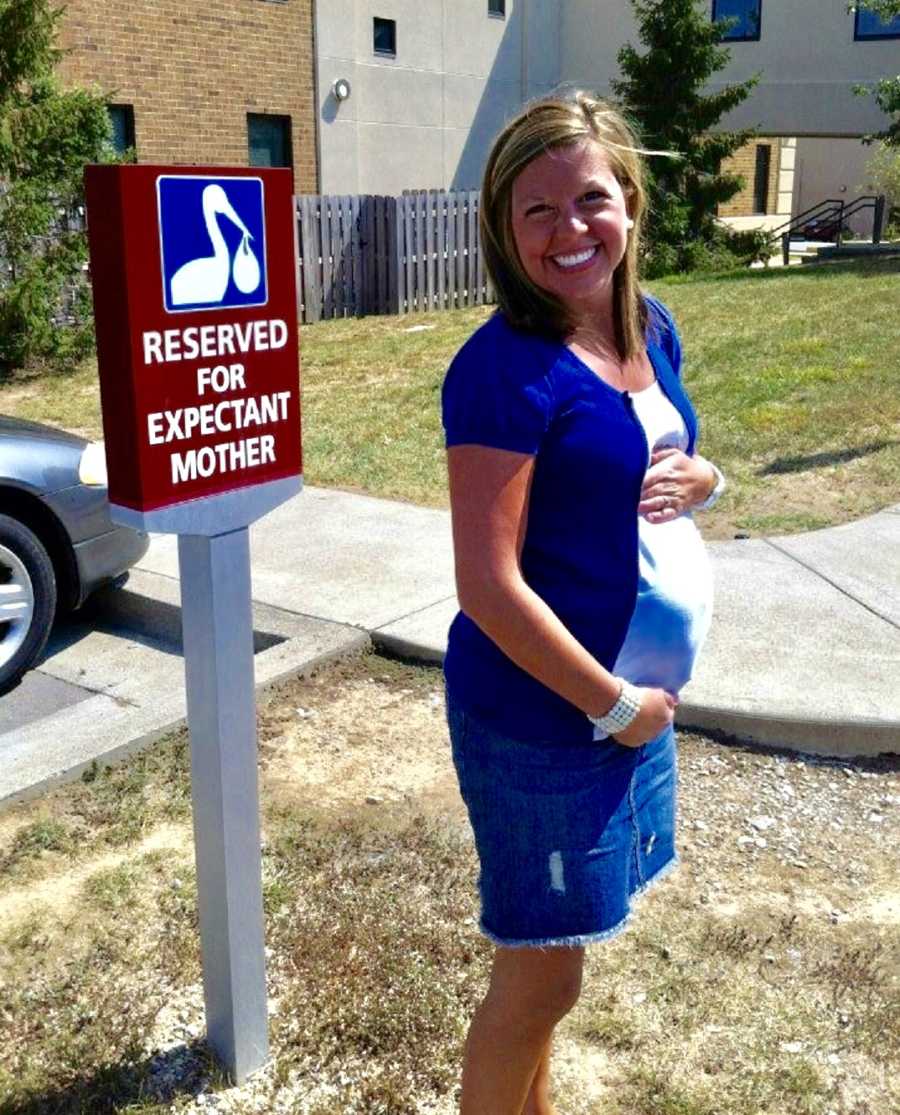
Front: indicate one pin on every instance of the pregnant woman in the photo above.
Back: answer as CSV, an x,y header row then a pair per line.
x,y
583,583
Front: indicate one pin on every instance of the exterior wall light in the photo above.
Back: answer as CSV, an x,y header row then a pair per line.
x,y
341,89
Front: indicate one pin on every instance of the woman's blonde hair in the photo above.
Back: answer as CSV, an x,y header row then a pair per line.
x,y
559,120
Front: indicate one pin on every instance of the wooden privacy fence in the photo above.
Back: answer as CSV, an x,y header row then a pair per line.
x,y
389,255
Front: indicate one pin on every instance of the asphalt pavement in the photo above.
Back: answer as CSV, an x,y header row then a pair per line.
x,y
804,650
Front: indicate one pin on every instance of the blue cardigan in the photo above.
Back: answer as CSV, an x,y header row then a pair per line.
x,y
511,390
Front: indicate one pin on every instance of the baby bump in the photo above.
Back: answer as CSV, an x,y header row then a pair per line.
x,y
673,608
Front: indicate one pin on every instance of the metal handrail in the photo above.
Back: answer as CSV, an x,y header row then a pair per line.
x,y
801,218
845,209
838,211
867,201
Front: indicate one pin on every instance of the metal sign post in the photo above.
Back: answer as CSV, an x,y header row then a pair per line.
x,y
194,276
218,656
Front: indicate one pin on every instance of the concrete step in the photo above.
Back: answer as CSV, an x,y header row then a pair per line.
x,y
854,250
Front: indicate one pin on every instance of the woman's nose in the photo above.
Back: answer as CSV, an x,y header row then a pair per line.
x,y
570,220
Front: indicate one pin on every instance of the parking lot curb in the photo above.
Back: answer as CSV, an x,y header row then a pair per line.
x,y
28,774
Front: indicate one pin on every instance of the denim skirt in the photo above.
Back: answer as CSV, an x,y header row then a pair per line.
x,y
565,834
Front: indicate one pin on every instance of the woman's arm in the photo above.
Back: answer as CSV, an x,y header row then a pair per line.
x,y
489,490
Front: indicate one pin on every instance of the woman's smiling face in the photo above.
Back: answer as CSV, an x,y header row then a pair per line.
x,y
570,225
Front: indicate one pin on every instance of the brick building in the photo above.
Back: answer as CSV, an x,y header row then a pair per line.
x,y
229,83
766,165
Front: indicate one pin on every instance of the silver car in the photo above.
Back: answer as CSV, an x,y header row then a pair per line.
x,y
57,543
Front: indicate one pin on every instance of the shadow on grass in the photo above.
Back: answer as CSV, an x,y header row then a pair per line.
x,y
821,460
861,266
12,377
36,372
183,1071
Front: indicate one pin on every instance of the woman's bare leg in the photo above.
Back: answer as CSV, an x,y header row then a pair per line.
x,y
538,1101
508,1042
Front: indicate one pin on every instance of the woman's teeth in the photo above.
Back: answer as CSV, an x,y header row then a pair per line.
x,y
574,259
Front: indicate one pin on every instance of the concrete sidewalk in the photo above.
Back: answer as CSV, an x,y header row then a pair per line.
x,y
804,651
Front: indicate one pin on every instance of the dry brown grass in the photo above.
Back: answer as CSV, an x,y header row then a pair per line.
x,y
760,979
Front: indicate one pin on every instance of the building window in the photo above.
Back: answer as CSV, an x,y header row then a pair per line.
x,y
761,178
122,120
745,17
384,36
497,8
269,140
870,25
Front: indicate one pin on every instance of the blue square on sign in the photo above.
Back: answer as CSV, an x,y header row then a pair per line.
x,y
212,234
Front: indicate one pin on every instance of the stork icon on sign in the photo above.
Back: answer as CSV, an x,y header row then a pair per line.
x,y
205,280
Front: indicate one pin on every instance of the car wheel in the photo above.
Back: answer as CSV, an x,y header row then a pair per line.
x,y
27,600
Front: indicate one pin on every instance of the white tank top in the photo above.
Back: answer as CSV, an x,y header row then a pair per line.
x,y
674,602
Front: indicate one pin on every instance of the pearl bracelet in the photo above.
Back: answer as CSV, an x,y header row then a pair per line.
x,y
625,709
713,498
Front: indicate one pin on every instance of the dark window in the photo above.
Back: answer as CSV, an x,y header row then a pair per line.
x,y
745,17
269,140
761,178
122,119
497,8
870,25
384,36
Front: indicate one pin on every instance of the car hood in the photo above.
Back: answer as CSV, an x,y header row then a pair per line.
x,y
22,429
38,458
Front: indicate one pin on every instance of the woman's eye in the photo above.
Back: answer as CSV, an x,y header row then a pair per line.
x,y
536,210
595,195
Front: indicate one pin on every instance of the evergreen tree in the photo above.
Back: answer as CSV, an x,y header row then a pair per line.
x,y
664,90
47,135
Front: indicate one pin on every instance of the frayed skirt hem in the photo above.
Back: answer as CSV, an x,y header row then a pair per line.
x,y
581,939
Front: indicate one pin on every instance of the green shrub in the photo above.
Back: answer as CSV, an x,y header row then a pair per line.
x,y
47,135
752,245
722,250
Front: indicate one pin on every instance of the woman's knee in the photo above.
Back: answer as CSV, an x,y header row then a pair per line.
x,y
539,982
565,989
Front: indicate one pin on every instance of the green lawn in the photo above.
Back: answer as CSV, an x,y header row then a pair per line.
x,y
795,374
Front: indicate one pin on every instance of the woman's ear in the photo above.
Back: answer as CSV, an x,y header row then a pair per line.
x,y
629,223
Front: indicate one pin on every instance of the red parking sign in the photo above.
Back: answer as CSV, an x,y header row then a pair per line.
x,y
194,280
194,299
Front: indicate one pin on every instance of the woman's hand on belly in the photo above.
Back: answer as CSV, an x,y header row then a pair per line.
x,y
656,713
673,484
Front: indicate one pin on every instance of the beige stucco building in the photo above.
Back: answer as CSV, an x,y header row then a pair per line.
x,y
431,81
423,115
381,96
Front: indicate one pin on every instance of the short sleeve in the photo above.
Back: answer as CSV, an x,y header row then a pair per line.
x,y
497,393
